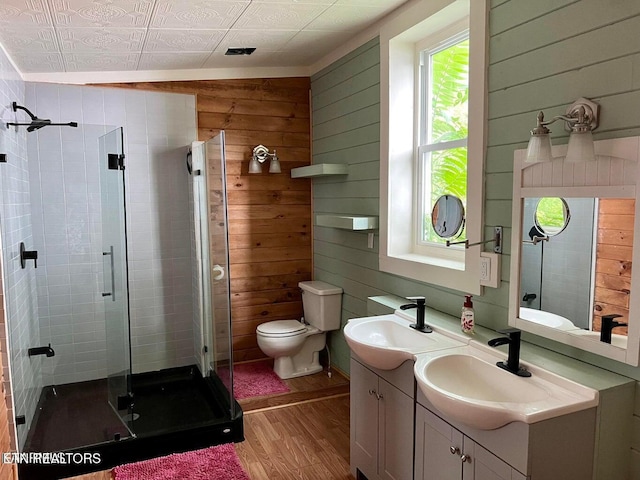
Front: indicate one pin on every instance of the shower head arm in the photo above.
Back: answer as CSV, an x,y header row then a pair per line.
x,y
17,107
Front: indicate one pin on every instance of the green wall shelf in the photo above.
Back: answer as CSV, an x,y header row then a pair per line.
x,y
319,170
347,222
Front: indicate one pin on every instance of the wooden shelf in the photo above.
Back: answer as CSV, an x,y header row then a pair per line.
x,y
347,222
319,170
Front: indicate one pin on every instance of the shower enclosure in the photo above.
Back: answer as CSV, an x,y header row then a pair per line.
x,y
94,388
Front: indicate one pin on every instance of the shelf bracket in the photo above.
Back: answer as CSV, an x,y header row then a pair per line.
x,y
497,238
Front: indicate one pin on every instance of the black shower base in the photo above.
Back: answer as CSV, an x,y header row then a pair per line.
x,y
178,410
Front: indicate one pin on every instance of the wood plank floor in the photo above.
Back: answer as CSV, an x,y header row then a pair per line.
x,y
308,440
308,387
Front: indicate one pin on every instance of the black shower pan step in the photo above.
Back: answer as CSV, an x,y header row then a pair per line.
x,y
176,411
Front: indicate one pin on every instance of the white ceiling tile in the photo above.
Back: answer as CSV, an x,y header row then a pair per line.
x,y
171,61
387,4
101,39
165,40
319,2
105,62
191,14
101,13
279,16
263,40
347,17
27,13
20,39
30,62
256,59
125,35
316,42
297,58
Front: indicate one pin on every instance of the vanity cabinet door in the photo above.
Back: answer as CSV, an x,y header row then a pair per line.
x,y
364,421
381,427
395,452
444,453
438,448
483,465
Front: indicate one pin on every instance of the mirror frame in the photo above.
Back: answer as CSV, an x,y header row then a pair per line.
x,y
614,174
461,221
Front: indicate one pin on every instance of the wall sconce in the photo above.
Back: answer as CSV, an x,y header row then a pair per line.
x,y
260,155
581,119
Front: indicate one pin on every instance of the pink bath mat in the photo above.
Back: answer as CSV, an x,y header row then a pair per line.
x,y
253,380
213,463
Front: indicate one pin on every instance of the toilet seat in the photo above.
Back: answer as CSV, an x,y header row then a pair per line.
x,y
282,328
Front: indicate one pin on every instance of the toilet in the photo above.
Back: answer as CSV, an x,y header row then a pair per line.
x,y
295,346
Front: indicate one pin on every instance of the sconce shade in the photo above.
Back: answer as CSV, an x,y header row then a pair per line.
x,y
539,149
581,148
254,166
274,165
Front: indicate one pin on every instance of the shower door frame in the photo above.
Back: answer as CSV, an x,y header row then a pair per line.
x,y
209,158
116,275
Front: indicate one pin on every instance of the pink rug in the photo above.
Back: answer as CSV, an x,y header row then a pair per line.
x,y
219,463
253,379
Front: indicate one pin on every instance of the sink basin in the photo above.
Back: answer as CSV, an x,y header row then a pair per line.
x,y
466,385
547,319
617,340
387,341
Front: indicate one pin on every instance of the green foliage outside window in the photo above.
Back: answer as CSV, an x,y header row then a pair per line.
x,y
449,94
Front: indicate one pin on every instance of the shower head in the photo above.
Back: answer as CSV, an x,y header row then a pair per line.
x,y
36,123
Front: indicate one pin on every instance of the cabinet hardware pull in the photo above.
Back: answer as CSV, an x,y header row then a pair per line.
x,y
465,458
372,392
379,396
454,450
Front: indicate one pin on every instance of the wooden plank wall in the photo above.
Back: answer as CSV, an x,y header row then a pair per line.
x,y
614,260
269,214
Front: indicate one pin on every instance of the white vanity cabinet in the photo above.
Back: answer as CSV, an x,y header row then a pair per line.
x,y
382,404
445,453
561,448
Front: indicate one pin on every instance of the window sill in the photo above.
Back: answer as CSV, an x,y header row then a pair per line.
x,y
450,263
449,273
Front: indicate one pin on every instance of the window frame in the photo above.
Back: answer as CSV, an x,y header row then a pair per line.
x,y
455,268
432,44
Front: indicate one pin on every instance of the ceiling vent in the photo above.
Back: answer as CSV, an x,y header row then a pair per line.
x,y
240,51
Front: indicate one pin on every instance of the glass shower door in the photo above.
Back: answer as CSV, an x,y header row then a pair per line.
x,y
212,244
115,275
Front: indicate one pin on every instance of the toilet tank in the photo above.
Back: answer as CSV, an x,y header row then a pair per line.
x,y
322,304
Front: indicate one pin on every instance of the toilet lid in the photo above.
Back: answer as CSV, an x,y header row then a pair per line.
x,y
281,328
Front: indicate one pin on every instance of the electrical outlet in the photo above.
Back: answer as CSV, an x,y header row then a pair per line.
x,y
485,269
490,269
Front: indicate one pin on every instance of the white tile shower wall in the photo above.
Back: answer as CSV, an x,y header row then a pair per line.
x,y
20,295
158,127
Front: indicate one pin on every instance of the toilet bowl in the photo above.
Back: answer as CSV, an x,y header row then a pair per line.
x,y
295,346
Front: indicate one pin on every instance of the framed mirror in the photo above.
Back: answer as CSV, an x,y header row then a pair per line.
x,y
447,216
551,216
573,247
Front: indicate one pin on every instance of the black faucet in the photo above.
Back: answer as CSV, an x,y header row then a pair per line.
x,y
529,296
608,324
48,351
419,305
513,361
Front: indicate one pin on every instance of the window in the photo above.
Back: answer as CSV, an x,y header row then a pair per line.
x,y
432,137
441,152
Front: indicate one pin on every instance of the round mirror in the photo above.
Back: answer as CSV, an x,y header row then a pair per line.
x,y
447,216
551,216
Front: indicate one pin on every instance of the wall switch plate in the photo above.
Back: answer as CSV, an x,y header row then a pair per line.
x,y
490,268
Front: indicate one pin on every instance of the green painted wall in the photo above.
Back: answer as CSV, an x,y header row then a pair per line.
x,y
543,56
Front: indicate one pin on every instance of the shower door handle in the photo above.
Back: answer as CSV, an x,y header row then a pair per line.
x,y
218,272
112,293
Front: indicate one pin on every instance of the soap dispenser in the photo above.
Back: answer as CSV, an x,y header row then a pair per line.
x,y
467,320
